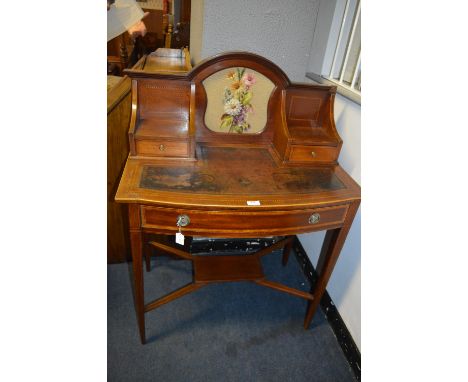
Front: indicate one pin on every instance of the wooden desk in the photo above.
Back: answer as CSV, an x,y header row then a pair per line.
x,y
185,176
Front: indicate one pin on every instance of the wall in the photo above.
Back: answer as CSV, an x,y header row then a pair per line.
x,y
285,34
344,286
274,29
196,30
321,53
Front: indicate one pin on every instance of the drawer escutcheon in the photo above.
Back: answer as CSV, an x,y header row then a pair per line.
x,y
314,218
183,221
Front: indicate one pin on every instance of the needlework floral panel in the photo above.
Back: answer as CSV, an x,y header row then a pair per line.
x,y
237,101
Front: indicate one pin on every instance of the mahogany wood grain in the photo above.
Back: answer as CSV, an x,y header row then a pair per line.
x,y
284,288
163,99
162,148
287,250
172,296
303,107
226,268
283,181
306,108
328,257
185,11
234,223
147,254
152,128
161,63
277,198
137,256
133,118
118,117
313,154
117,54
318,135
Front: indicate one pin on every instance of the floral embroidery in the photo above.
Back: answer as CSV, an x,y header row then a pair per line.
x,y
232,107
237,101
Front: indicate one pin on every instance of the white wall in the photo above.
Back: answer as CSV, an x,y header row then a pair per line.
x,y
276,29
321,54
283,32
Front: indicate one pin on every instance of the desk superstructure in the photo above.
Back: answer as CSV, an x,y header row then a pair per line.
x,y
232,148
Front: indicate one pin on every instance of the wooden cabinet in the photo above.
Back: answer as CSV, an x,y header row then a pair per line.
x,y
118,119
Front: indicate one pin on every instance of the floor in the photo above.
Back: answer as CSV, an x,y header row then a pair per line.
x,y
223,332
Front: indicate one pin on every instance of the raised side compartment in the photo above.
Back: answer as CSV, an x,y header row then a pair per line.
x,y
310,132
162,126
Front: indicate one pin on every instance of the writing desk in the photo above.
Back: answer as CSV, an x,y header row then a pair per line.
x,y
276,176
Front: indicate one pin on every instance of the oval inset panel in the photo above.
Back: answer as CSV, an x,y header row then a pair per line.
x,y
237,101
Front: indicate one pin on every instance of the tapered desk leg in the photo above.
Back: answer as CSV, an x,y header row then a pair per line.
x,y
148,250
137,257
287,251
331,248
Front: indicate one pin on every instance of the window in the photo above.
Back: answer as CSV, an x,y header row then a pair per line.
x,y
336,48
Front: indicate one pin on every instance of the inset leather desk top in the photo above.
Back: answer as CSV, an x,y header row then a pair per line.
x,y
234,175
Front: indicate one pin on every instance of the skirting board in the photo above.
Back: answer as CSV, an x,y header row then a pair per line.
x,y
350,350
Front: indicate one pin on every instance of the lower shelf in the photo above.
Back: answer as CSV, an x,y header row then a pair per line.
x,y
227,268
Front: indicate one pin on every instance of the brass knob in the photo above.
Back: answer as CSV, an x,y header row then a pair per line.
x,y
314,218
183,221
313,154
162,147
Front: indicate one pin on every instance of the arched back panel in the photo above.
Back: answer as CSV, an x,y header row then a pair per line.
x,y
235,95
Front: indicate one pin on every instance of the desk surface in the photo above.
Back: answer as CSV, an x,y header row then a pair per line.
x,y
228,177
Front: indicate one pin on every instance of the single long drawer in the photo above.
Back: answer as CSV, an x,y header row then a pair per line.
x,y
313,154
162,148
242,223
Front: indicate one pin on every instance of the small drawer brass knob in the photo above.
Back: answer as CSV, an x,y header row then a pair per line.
x,y
183,221
313,154
162,147
314,218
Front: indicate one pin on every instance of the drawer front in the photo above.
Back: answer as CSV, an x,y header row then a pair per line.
x,y
161,148
313,154
243,224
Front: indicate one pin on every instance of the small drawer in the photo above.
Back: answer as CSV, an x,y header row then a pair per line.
x,y
242,223
313,154
161,148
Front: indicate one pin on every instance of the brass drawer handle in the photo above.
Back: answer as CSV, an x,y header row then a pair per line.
x,y
314,218
162,147
313,154
183,221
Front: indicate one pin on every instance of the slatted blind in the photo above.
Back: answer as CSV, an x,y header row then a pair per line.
x,y
345,69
